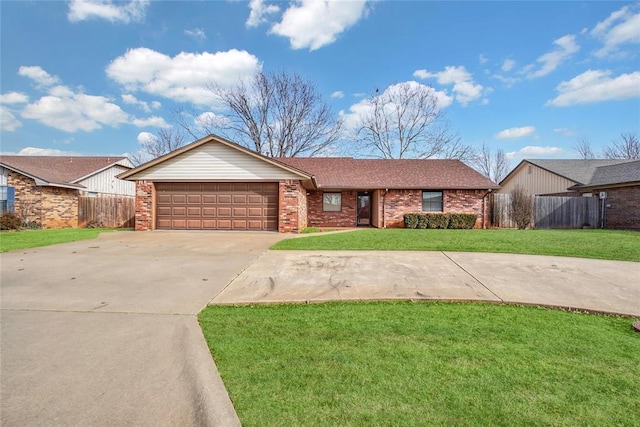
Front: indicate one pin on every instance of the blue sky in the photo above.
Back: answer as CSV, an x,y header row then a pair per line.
x,y
532,78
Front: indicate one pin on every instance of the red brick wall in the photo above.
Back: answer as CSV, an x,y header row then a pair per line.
x,y
624,213
144,205
345,218
399,202
465,201
51,207
292,215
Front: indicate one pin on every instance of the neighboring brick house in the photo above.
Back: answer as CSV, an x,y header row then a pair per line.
x,y
45,189
214,184
618,188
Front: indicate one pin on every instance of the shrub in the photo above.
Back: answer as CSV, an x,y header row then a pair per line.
x,y
438,220
521,208
462,221
94,224
32,225
411,220
10,221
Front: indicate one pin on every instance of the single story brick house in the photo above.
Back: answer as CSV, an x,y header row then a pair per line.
x,y
46,189
618,188
215,184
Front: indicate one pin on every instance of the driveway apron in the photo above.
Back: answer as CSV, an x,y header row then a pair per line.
x,y
104,331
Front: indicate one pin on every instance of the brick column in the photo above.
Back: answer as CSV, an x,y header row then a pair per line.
x,y
290,210
144,205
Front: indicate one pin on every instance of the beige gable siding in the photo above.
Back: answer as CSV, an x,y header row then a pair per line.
x,y
106,182
535,180
214,162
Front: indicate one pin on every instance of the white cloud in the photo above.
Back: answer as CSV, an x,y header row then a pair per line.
x,y
621,27
208,121
464,88
361,109
35,151
133,11
337,94
153,121
508,65
514,133
14,98
196,33
316,23
482,59
186,77
508,81
564,132
146,137
565,47
127,98
8,122
68,111
259,11
535,151
597,86
38,75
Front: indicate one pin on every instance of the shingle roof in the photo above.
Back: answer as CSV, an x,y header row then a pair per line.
x,y
63,170
577,170
621,173
347,172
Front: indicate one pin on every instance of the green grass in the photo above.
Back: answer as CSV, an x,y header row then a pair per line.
x,y
11,240
603,244
417,364
310,230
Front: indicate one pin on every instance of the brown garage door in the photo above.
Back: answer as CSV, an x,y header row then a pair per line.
x,y
217,206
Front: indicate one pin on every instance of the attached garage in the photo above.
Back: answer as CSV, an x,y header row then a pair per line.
x,y
215,184
217,206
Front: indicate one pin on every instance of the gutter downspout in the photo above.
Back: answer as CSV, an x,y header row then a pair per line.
x,y
484,209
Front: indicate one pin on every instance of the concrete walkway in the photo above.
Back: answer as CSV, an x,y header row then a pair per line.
x,y
104,332
299,276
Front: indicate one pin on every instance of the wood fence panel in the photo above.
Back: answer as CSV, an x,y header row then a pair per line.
x,y
108,211
566,212
549,211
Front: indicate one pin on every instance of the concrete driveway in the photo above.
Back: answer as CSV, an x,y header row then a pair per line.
x,y
296,276
104,331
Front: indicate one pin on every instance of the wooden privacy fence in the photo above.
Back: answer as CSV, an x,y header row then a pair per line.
x,y
107,211
550,211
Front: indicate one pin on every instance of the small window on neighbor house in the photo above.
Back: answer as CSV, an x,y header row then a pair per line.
x,y
332,202
432,201
92,194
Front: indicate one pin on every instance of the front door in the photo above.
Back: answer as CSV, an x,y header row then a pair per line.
x,y
364,208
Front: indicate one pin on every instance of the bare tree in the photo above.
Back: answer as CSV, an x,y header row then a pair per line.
x,y
494,166
627,147
521,208
166,140
276,114
405,121
584,150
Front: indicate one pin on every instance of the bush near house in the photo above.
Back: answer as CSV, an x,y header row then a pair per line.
x,y
439,220
10,221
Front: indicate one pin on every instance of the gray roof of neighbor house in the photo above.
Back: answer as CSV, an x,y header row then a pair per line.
x,y
576,170
347,172
59,171
621,173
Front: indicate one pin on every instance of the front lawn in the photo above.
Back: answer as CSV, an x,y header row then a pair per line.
x,y
415,364
602,244
23,239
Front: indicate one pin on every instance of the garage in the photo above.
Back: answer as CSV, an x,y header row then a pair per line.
x,y
251,206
